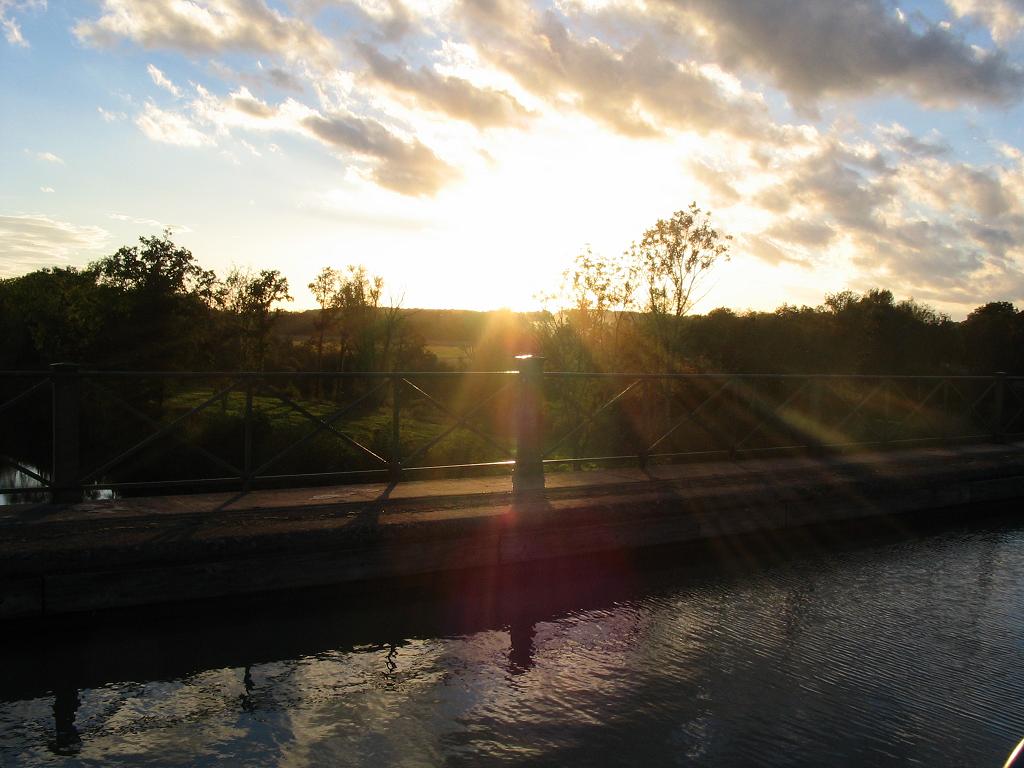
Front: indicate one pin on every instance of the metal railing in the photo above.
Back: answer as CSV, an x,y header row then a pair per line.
x,y
166,431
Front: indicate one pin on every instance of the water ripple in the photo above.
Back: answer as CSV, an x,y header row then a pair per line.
x,y
895,653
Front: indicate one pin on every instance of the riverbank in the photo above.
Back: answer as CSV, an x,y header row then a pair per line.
x,y
60,559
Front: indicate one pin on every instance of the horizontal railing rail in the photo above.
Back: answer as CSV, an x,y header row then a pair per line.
x,y
70,430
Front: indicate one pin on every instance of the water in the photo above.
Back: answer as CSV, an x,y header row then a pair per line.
x,y
895,650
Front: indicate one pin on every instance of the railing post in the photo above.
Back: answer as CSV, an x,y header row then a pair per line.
x,y
66,422
886,411
738,402
646,424
395,466
528,474
945,428
247,446
998,434
817,416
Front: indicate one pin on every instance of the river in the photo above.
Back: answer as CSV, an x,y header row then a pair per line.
x,y
896,649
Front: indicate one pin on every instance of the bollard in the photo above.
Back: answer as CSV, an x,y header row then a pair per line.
x,y
66,418
998,435
528,474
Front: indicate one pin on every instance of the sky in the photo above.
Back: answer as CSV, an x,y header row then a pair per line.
x,y
468,150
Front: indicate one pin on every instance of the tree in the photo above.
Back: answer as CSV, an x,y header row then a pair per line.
x,y
673,259
52,315
157,267
250,301
874,333
993,338
675,255
163,300
325,289
357,299
584,332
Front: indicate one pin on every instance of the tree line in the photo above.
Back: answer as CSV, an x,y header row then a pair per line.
x,y
633,313
152,306
849,333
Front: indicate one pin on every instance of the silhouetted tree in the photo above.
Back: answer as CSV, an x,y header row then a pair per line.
x,y
672,259
325,289
52,315
583,333
156,267
994,338
250,301
357,299
162,297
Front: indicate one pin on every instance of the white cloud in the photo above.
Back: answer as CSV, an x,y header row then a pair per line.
x,y
171,128
134,220
12,32
110,117
639,88
163,81
209,27
48,190
453,96
32,241
1003,18
915,220
46,157
10,26
404,165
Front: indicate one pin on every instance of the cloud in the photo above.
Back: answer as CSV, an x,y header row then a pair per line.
x,y
135,220
767,250
717,182
802,232
813,49
48,190
46,157
453,96
12,32
162,81
391,20
171,128
897,138
1004,19
110,117
32,241
407,167
920,223
844,183
10,26
403,165
210,27
244,101
276,77
283,79
636,89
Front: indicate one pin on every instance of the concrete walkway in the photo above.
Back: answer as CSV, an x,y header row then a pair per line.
x,y
60,558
